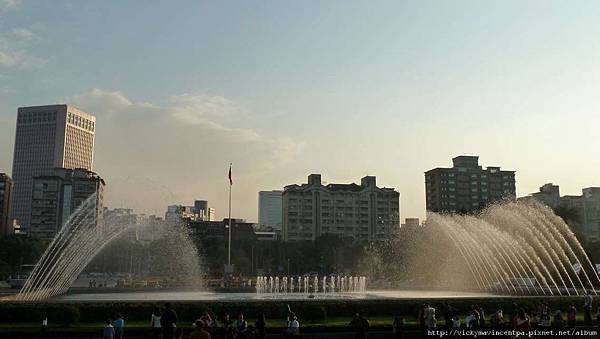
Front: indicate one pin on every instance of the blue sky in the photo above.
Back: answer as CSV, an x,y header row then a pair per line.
x,y
283,89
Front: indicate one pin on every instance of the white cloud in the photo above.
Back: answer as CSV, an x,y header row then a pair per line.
x,y
21,59
6,5
17,43
23,33
183,145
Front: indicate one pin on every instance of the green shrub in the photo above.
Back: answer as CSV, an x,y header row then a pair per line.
x,y
65,315
311,312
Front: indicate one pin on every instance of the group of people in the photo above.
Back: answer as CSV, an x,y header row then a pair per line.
x,y
163,322
163,325
114,327
543,317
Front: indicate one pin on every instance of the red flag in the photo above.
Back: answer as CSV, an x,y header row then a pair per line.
x,y
229,176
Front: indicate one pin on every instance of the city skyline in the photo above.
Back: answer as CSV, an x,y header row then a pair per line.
x,y
390,91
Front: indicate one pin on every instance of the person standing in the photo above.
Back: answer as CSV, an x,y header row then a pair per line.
x,y
398,327
545,316
449,312
240,327
587,309
360,325
119,325
260,326
293,326
571,317
155,327
168,321
430,320
108,332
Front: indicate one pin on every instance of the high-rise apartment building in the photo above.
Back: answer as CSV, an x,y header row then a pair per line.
x,y
56,195
47,137
6,185
269,209
364,212
467,187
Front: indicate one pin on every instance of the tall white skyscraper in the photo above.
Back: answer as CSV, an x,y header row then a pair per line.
x,y
269,209
48,137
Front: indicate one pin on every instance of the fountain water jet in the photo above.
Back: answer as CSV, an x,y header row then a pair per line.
x,y
519,248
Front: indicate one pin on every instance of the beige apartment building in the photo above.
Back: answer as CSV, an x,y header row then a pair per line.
x,y
362,212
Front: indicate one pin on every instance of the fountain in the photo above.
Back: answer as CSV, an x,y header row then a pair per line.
x,y
519,248
308,285
511,248
82,237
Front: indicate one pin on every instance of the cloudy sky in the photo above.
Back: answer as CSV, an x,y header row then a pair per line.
x,y
287,88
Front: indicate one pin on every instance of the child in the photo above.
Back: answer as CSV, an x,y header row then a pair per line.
x,y
108,331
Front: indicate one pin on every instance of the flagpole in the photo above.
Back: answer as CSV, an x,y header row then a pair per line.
x,y
229,247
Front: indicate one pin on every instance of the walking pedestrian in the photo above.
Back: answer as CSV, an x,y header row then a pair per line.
x,y
155,327
119,325
108,332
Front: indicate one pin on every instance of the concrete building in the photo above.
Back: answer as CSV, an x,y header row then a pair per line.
x,y
217,230
202,211
56,195
179,212
585,208
364,212
467,187
269,210
549,194
47,137
6,186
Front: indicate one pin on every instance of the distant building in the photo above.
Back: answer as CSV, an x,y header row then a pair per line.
x,y
6,186
56,195
179,212
140,227
217,230
467,187
585,220
199,212
269,209
47,137
202,211
364,212
548,194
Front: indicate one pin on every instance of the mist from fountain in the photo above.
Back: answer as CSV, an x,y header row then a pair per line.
x,y
519,248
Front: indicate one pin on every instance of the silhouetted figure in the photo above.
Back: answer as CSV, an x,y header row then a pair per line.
x,y
168,321
260,326
360,326
497,320
545,317
240,327
587,309
200,331
521,321
559,321
571,317
449,313
398,327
